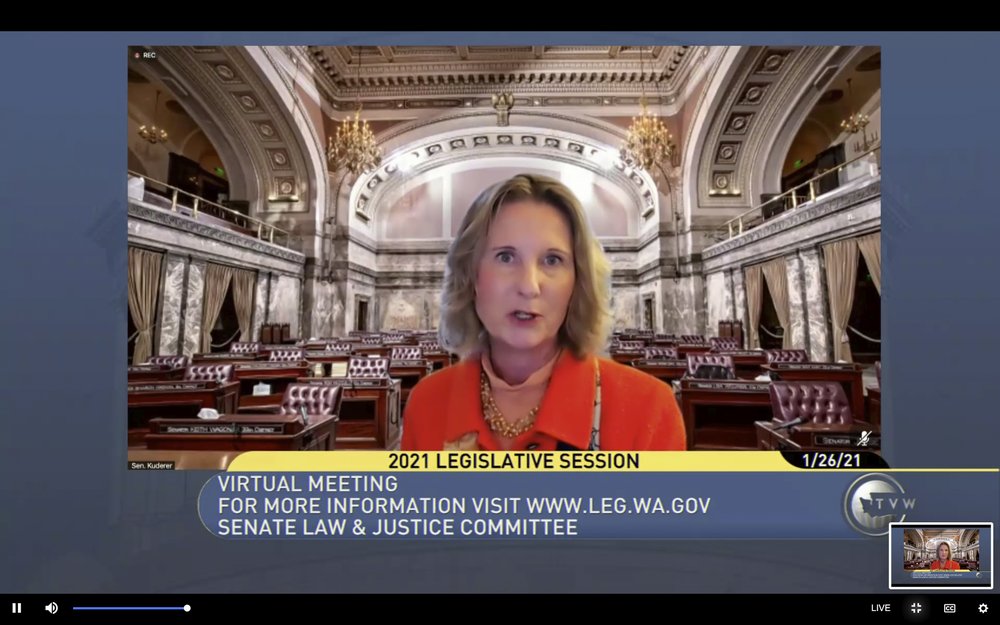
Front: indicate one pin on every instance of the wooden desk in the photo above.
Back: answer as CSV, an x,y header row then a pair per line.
x,y
666,369
747,362
409,373
816,437
683,349
439,360
224,358
245,432
626,356
849,375
372,350
139,373
276,374
377,428
180,398
874,407
720,414
326,356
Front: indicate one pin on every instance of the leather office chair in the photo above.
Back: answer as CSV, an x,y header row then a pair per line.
x,y
368,368
782,356
217,373
878,372
724,344
819,403
718,366
430,346
343,348
406,353
631,345
286,355
169,361
692,339
653,353
320,400
244,348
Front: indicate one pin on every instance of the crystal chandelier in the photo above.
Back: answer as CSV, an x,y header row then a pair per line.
x,y
858,122
648,143
151,133
354,147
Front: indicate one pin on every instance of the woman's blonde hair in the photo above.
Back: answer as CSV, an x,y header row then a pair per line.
x,y
938,552
588,317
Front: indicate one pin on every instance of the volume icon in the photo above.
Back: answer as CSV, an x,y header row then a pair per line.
x,y
52,608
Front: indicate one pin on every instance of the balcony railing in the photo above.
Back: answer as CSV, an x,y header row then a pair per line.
x,y
793,198
171,198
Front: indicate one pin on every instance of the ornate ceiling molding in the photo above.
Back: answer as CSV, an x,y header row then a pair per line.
x,y
465,145
445,77
249,117
767,84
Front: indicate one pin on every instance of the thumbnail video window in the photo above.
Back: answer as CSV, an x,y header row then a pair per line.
x,y
941,555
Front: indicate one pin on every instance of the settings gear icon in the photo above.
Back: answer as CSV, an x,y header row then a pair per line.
x,y
983,608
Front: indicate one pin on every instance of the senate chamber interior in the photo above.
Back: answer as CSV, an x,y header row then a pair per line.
x,y
290,209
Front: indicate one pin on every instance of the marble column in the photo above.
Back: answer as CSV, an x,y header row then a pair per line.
x,y
814,278
740,302
718,303
195,297
625,307
730,312
284,304
172,294
259,305
683,305
323,304
798,314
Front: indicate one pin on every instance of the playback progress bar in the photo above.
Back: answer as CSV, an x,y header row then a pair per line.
x,y
141,608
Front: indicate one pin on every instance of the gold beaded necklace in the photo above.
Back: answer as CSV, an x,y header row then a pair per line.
x,y
494,417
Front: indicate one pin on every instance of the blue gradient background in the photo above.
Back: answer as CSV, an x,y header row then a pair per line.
x,y
74,520
798,504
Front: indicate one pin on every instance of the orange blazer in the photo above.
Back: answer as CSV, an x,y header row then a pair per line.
x,y
949,565
638,412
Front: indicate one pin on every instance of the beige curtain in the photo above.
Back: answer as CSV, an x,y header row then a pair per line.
x,y
143,287
871,248
752,283
217,280
244,285
841,260
776,275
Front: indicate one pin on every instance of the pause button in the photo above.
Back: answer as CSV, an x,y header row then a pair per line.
x,y
15,608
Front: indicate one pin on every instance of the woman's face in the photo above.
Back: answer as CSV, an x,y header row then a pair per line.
x,y
525,276
943,551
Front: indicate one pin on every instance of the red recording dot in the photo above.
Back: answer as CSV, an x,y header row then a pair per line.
x,y
136,55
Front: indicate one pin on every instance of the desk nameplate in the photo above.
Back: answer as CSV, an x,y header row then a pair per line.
x,y
272,364
813,366
221,428
226,356
171,386
846,439
661,362
728,386
351,382
743,354
409,363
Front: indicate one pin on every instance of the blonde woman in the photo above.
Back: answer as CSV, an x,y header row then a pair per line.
x,y
525,303
944,561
